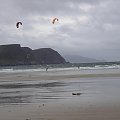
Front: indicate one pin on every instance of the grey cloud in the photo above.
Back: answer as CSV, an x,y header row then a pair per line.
x,y
50,6
100,34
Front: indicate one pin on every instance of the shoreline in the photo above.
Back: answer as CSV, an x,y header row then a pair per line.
x,y
57,75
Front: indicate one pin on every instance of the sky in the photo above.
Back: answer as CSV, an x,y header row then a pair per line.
x,y
89,28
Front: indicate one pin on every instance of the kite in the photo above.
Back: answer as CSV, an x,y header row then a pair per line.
x,y
18,23
55,19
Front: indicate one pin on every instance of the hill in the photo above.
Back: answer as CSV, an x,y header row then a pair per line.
x,y
80,59
14,54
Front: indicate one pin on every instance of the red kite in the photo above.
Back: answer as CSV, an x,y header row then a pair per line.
x,y
54,20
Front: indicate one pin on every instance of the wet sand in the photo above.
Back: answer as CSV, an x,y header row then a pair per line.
x,y
48,95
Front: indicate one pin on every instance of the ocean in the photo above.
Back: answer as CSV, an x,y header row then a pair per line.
x,y
57,67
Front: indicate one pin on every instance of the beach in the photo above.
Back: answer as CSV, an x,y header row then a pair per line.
x,y
47,95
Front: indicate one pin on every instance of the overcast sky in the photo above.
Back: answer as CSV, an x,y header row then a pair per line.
x,y
89,28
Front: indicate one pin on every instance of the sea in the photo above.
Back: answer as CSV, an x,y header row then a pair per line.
x,y
57,67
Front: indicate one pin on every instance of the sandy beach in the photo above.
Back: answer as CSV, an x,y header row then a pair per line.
x,y
58,111
48,95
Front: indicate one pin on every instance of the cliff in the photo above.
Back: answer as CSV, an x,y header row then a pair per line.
x,y
48,56
14,54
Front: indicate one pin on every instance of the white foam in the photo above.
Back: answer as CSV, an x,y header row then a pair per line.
x,y
50,68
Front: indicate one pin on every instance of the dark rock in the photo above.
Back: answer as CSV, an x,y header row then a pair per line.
x,y
48,56
76,93
11,54
14,54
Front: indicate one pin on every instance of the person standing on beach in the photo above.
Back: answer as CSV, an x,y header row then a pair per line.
x,y
46,69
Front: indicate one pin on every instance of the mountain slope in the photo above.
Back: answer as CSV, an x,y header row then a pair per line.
x,y
48,56
14,54
80,59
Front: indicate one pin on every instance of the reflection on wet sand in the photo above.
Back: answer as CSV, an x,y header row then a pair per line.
x,y
53,100
27,92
